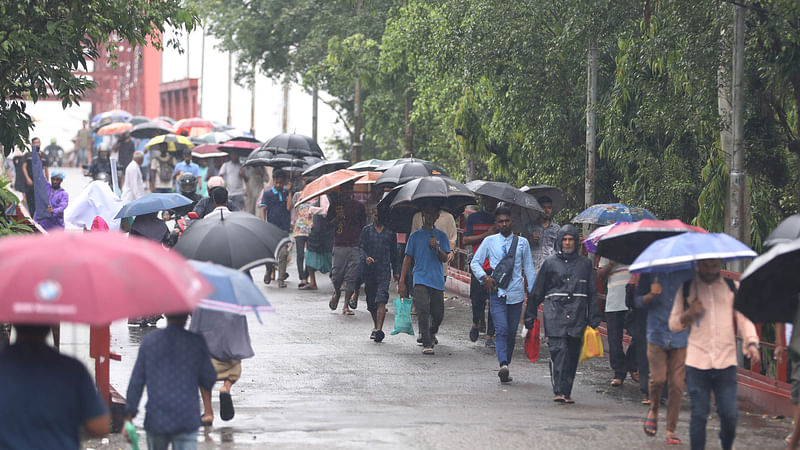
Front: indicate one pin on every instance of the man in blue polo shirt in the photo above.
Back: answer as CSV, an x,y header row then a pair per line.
x,y
426,249
275,211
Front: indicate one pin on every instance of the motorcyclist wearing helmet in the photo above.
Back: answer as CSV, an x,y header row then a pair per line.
x,y
101,164
55,153
187,184
206,205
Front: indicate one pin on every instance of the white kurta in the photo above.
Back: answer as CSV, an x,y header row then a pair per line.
x,y
133,187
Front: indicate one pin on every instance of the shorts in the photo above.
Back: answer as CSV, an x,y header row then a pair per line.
x,y
345,268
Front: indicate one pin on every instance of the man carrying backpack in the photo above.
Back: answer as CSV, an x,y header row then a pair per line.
x,y
161,169
711,360
509,256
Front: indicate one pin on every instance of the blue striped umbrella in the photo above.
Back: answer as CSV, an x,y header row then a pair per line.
x,y
682,251
608,213
234,291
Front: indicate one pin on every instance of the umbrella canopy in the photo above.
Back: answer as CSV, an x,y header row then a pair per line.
x,y
325,166
234,291
170,143
626,241
238,240
191,123
555,194
114,128
149,130
786,231
605,214
96,279
167,119
327,183
216,137
152,203
386,165
105,118
235,145
403,173
368,165
258,157
136,120
769,287
279,161
443,192
368,178
150,227
294,144
248,138
590,243
682,251
207,151
505,193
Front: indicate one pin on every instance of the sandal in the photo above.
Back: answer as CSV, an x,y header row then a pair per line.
x,y
673,439
650,427
559,399
226,411
569,401
308,287
646,401
348,312
333,303
616,382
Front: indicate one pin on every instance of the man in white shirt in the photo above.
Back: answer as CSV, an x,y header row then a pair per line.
x,y
231,172
133,187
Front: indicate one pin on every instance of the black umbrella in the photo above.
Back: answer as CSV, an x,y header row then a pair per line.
x,y
136,120
258,156
239,240
149,130
505,193
279,161
769,288
294,144
149,226
383,166
325,166
786,231
246,139
558,196
166,119
404,173
442,192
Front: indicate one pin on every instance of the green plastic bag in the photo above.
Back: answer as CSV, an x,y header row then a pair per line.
x,y
402,316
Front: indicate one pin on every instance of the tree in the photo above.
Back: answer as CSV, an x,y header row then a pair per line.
x,y
44,43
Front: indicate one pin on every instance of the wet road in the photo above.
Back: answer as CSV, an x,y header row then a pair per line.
x,y
317,381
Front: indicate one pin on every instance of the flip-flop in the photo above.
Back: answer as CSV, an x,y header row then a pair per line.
x,y
207,423
672,439
348,313
333,303
559,399
616,382
569,401
650,427
307,287
226,410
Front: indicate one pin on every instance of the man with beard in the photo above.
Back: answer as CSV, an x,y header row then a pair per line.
x,y
566,286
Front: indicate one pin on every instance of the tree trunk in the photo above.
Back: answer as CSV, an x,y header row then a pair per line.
x,y
314,113
356,154
285,110
409,128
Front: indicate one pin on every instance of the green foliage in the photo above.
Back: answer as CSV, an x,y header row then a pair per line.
x,y
9,225
43,43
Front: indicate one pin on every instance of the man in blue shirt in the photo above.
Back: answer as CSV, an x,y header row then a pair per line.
x,y
46,396
666,350
426,250
480,225
173,363
186,166
275,211
505,304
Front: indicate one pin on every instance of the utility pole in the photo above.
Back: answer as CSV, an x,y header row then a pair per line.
x,y
314,112
737,177
409,132
253,103
230,85
202,72
188,66
356,153
591,124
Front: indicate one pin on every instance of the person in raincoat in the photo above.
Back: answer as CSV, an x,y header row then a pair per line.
x,y
57,201
566,286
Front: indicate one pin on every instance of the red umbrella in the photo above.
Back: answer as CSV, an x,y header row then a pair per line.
x,y
193,122
245,147
114,128
624,242
207,151
92,278
327,183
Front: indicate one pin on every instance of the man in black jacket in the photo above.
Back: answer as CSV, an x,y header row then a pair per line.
x,y
566,286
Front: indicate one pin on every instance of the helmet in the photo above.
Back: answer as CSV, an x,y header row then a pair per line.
x,y
53,141
216,181
187,182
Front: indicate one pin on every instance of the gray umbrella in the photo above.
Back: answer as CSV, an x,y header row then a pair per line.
x,y
325,166
558,196
786,231
505,193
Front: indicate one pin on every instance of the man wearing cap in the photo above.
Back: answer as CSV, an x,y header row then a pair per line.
x,y
58,199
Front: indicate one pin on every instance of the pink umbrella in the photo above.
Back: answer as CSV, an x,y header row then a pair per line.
x,y
626,241
92,278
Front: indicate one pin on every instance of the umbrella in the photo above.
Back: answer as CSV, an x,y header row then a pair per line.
x,y
505,193
386,165
681,251
403,173
194,122
246,139
136,120
626,241
278,161
167,119
258,157
368,165
215,137
590,243
325,166
96,279
368,178
170,143
152,203
294,144
443,192
558,196
238,240
769,286
114,128
786,231
150,227
234,291
149,130
207,151
327,183
604,214
114,115
242,147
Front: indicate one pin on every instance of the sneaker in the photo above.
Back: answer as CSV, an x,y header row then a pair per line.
x,y
489,342
372,335
504,374
473,334
379,335
427,351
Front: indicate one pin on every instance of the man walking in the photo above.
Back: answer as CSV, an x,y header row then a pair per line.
x,y
348,219
84,144
377,249
666,350
231,171
173,363
505,302
275,210
161,171
544,234
133,186
426,250
125,149
707,311
566,285
616,312
480,225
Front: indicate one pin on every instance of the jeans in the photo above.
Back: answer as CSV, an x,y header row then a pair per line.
x,y
621,362
479,295
506,321
430,311
180,441
300,242
722,382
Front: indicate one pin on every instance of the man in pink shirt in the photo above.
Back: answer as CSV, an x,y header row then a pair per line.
x,y
711,353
